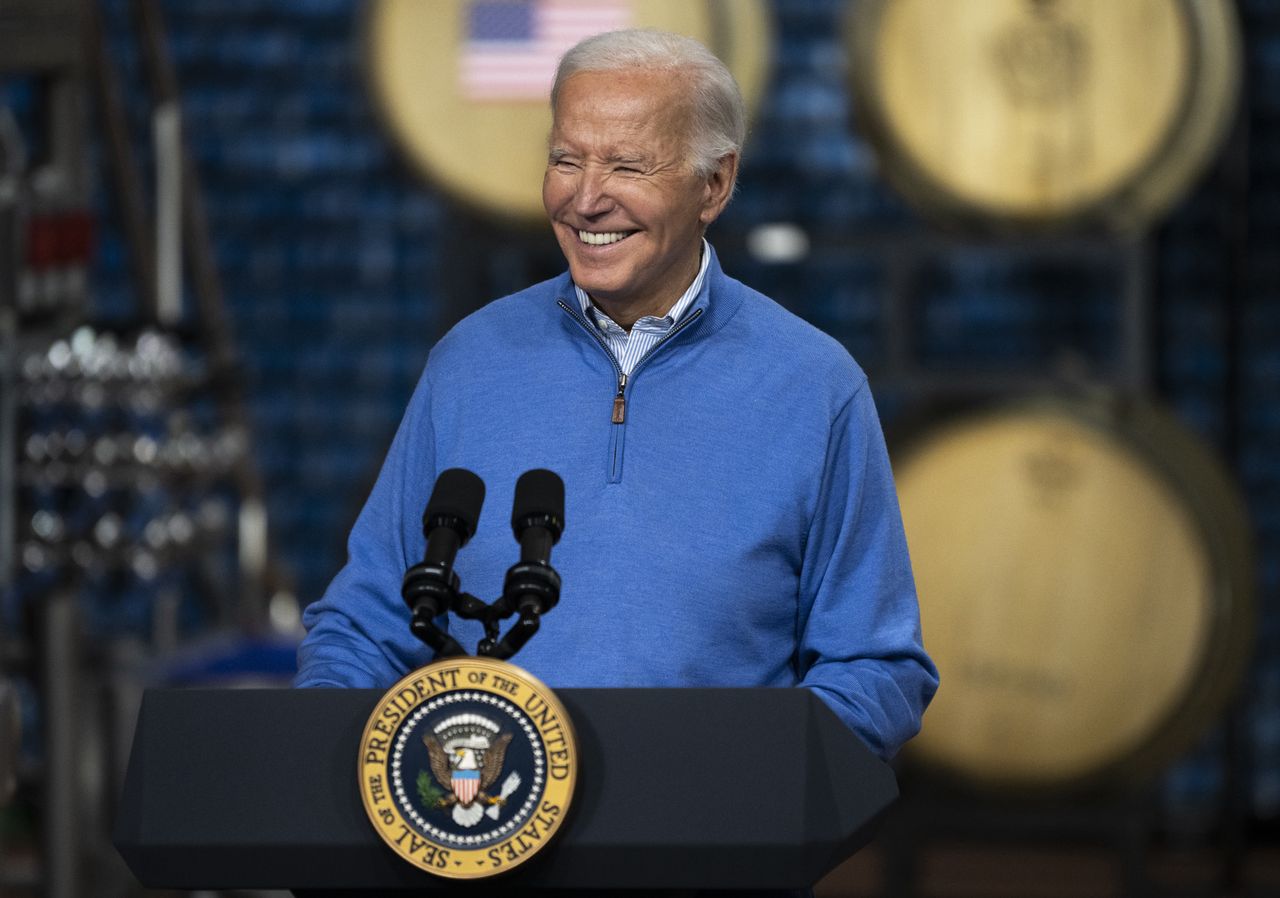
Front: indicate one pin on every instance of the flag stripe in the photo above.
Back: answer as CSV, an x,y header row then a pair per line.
x,y
512,49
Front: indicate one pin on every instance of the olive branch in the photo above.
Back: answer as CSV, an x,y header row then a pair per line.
x,y
431,794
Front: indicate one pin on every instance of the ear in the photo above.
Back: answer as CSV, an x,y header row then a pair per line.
x,y
719,188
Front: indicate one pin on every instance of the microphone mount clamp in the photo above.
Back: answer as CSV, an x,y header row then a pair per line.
x,y
532,588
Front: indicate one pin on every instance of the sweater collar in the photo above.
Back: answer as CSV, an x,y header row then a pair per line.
x,y
717,300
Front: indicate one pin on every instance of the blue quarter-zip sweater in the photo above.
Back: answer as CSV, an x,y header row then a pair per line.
x,y
732,522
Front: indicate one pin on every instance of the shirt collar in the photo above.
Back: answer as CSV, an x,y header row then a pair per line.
x,y
592,313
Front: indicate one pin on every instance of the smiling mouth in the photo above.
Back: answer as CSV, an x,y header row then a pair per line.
x,y
602,238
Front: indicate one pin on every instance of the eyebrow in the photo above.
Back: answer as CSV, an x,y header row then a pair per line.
x,y
628,159
557,153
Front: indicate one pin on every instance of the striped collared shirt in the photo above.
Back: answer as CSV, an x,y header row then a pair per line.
x,y
629,348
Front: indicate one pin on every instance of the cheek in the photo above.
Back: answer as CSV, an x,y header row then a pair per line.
x,y
552,194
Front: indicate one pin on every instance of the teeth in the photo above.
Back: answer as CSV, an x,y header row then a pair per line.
x,y
601,239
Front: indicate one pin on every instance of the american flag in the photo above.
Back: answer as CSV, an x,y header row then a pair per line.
x,y
512,47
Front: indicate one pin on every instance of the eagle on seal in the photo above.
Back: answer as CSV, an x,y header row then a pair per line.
x,y
466,774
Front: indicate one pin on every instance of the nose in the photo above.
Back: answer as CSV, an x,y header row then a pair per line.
x,y
591,196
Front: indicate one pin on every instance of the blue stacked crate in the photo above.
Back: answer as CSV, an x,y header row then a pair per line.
x,y
19,97
1193,276
326,250
843,295
1260,385
805,165
997,311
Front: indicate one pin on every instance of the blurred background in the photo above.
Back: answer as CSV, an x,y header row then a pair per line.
x,y
231,230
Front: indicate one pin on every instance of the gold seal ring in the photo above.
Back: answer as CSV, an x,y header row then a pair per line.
x,y
467,767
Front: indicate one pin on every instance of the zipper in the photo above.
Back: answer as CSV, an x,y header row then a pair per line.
x,y
618,411
620,401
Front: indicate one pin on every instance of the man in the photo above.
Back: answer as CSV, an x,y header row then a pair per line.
x,y
730,512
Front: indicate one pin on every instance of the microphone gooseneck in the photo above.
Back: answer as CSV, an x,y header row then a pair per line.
x,y
432,589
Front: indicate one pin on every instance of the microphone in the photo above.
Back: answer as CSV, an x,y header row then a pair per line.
x,y
452,514
537,520
532,587
448,523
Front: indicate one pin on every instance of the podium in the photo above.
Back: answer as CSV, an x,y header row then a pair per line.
x,y
677,789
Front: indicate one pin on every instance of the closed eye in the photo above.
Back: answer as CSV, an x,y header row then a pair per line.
x,y
560,158
631,166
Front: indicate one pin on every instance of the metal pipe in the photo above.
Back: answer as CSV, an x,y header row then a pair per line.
x,y
10,740
167,124
60,670
11,163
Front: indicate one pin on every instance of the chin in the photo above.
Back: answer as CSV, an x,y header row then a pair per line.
x,y
598,280
598,289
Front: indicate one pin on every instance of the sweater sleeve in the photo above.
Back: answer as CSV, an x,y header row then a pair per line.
x,y
860,645
358,633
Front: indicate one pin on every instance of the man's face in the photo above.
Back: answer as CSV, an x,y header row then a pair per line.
x,y
626,209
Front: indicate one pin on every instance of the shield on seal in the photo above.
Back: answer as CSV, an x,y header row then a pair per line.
x,y
465,784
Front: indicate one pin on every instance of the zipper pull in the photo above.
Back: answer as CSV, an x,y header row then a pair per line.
x,y
620,401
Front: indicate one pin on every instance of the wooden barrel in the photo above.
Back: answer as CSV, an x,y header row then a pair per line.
x,y
1085,588
1044,113
470,112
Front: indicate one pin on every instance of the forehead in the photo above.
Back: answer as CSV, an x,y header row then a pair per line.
x,y
636,109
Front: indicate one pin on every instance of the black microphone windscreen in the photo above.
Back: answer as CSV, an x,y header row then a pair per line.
x,y
538,492
458,493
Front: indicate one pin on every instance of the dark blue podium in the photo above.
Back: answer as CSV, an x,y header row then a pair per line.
x,y
678,789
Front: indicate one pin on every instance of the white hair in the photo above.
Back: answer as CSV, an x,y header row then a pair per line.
x,y
719,125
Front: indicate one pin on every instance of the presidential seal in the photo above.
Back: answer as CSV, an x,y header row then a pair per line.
x,y
467,767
